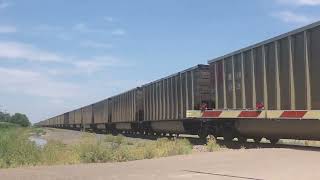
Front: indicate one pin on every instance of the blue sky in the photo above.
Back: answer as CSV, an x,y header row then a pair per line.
x,y
59,55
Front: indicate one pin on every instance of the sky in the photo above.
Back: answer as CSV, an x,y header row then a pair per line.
x,y
56,56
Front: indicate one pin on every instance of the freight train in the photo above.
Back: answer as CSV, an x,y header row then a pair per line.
x,y
268,90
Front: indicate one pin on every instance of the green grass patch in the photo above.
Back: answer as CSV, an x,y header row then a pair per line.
x,y
55,152
38,131
6,125
17,150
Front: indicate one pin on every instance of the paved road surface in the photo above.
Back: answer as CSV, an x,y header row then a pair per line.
x,y
244,164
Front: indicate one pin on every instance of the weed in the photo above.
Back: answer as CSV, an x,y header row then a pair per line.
x,y
38,131
212,145
55,152
17,150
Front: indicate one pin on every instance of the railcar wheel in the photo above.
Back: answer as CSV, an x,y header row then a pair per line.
x,y
274,140
211,136
203,134
228,137
242,139
257,139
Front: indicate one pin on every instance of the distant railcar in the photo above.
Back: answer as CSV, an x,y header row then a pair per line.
x,y
87,117
126,110
167,100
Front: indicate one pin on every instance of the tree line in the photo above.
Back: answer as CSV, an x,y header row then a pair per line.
x,y
17,118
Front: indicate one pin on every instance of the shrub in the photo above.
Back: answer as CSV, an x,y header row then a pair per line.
x,y
6,125
119,139
91,150
55,152
16,149
212,145
38,131
119,149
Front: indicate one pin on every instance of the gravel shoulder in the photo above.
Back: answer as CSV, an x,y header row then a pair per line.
x,y
269,163
74,137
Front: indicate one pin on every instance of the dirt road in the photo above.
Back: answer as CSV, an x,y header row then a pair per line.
x,y
250,164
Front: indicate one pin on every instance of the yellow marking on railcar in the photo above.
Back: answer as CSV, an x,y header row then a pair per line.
x,y
312,114
194,114
230,114
273,114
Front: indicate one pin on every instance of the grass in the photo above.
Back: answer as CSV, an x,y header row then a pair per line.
x,y
38,131
17,150
6,125
212,145
55,152
119,149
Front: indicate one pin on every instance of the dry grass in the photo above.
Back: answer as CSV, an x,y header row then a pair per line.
x,y
119,148
16,150
212,145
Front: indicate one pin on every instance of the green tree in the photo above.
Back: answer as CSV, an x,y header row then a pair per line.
x,y
20,119
4,117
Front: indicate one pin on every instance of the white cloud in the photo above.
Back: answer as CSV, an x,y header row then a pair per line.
x,y
76,66
118,32
98,63
22,51
81,27
8,29
57,31
56,101
89,66
300,2
291,17
4,4
47,27
64,36
68,65
34,83
108,19
56,72
93,44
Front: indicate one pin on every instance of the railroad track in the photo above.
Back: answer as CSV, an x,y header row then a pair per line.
x,y
250,144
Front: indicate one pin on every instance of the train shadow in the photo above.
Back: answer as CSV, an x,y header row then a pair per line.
x,y
195,140
237,145
252,145
265,145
